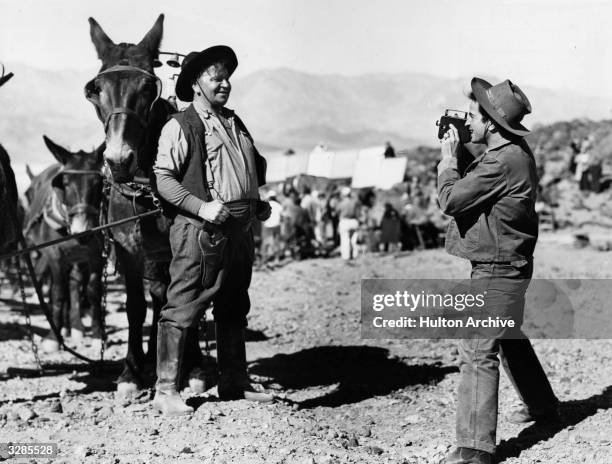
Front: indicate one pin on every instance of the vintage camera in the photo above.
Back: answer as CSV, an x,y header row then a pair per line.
x,y
457,119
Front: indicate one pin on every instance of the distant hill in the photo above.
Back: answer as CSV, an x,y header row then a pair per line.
x,y
290,108
282,108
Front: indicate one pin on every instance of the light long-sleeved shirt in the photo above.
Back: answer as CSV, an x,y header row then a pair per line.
x,y
230,164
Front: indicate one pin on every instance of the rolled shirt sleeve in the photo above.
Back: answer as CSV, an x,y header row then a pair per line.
x,y
169,167
459,196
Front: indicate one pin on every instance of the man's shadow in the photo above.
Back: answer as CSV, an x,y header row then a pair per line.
x,y
361,372
572,413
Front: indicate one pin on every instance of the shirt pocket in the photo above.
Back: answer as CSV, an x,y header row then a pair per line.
x,y
214,145
472,237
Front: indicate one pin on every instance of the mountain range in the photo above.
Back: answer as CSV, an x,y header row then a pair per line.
x,y
283,108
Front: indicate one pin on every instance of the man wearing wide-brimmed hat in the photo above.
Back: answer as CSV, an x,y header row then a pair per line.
x,y
209,170
495,226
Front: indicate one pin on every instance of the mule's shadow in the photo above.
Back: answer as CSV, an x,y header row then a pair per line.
x,y
96,377
18,331
572,413
16,305
361,372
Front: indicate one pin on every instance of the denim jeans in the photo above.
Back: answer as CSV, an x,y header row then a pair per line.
x,y
476,424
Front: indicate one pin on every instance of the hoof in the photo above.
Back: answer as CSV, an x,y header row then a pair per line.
x,y
86,321
50,345
126,389
77,335
197,386
171,405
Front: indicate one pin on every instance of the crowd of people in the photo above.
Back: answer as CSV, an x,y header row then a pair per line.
x,y
339,220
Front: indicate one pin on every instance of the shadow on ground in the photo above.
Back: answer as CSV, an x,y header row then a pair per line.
x,y
361,372
98,377
572,413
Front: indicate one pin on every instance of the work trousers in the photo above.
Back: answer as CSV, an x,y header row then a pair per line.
x,y
209,266
476,424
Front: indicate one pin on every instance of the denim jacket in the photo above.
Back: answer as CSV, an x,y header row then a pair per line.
x,y
492,205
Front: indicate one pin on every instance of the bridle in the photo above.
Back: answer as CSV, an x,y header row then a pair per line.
x,y
81,207
129,112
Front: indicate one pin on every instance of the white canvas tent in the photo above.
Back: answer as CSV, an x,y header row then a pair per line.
x,y
331,164
372,169
367,167
282,166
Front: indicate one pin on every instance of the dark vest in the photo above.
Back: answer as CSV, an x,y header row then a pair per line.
x,y
194,176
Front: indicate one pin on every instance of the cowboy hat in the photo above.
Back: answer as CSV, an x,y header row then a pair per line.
x,y
505,103
195,62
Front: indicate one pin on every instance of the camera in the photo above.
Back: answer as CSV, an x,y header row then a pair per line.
x,y
457,119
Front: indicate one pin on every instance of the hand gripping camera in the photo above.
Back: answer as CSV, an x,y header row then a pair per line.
x,y
457,119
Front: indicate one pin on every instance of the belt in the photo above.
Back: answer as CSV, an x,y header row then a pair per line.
x,y
517,262
241,217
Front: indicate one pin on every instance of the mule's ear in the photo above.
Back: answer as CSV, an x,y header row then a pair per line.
x,y
60,153
99,38
152,40
29,172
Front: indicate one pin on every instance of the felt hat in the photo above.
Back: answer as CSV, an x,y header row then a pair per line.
x,y
195,62
505,103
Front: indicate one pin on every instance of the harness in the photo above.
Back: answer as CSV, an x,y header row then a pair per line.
x,y
129,112
56,213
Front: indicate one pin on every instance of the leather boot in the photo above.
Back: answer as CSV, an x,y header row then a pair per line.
x,y
170,347
468,456
234,381
193,364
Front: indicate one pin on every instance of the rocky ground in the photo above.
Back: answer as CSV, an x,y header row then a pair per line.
x,y
344,399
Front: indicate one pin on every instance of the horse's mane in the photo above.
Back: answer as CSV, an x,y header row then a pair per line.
x,y
160,113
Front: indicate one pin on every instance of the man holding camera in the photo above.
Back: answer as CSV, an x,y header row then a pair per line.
x,y
495,226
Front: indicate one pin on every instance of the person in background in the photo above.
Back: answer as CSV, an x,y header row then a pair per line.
x,y
348,214
390,226
583,161
389,150
271,230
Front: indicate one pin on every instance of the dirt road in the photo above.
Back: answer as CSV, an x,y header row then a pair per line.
x,y
345,400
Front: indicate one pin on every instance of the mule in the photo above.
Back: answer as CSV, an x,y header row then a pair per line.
x,y
66,199
9,226
126,97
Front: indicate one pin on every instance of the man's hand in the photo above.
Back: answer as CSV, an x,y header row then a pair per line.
x,y
264,210
450,148
213,211
450,143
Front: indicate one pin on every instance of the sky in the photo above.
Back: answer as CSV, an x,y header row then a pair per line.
x,y
557,44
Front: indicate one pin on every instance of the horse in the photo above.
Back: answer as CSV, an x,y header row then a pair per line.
x,y
126,97
66,198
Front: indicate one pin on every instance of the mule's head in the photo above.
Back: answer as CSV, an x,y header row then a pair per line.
x,y
79,185
123,94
